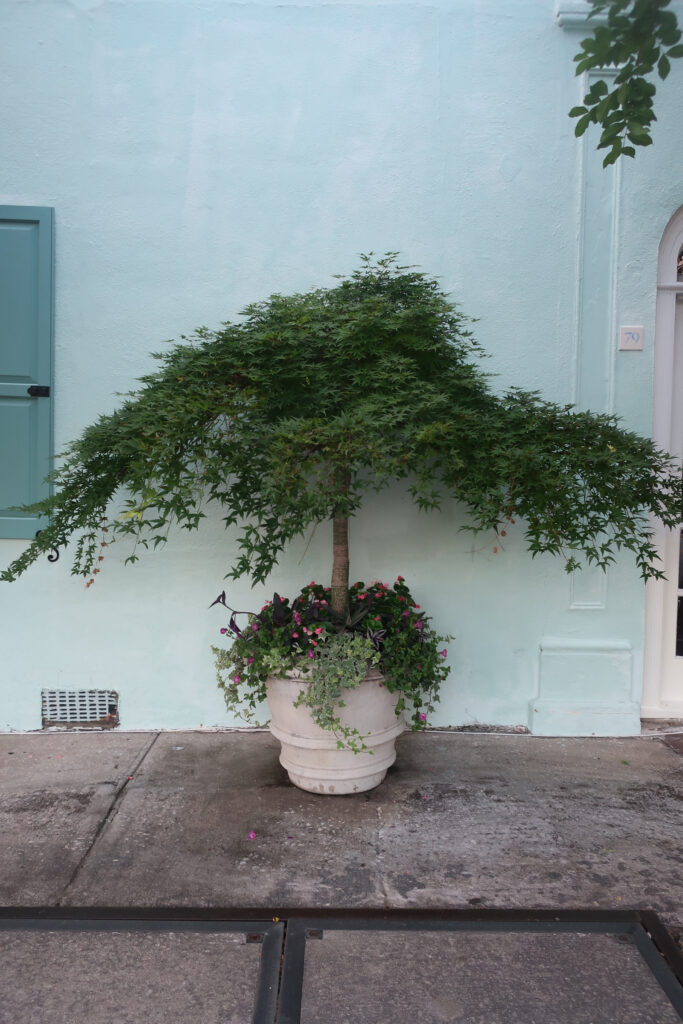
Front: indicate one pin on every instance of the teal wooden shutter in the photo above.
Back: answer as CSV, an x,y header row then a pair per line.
x,y
26,304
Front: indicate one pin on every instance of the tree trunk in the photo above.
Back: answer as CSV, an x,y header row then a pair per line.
x,y
340,569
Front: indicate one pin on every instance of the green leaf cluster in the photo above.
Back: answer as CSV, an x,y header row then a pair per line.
x,y
385,627
290,416
639,36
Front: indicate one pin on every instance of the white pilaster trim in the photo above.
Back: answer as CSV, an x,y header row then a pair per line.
x,y
668,289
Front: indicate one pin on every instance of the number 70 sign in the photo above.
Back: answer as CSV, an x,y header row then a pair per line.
x,y
631,339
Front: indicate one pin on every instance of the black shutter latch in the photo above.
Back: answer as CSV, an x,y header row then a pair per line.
x,y
38,391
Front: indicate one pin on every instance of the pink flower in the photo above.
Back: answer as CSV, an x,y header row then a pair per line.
x,y
399,579
255,627
405,613
312,583
361,597
310,654
418,624
318,630
237,679
443,653
224,630
423,717
249,661
295,635
314,642
252,835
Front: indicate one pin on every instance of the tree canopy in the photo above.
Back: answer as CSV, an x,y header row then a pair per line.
x,y
287,417
637,37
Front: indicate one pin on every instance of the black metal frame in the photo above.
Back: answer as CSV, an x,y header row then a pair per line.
x,y
285,932
271,934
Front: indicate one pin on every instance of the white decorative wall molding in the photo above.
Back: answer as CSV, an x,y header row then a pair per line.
x,y
575,16
595,310
668,291
588,589
585,688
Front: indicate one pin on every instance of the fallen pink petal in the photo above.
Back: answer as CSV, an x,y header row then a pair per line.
x,y
252,835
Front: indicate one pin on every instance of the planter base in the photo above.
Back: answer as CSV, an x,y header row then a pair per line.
x,y
310,754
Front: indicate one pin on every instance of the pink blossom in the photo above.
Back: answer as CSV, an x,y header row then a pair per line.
x,y
310,654
443,653
224,630
255,627
237,679
318,630
405,613
361,597
249,661
418,624
252,835
399,579
423,717
295,635
314,642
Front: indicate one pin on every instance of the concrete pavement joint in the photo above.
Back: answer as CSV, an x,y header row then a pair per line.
x,y
108,817
379,864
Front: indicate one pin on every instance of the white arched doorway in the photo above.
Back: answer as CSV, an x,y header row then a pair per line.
x,y
663,677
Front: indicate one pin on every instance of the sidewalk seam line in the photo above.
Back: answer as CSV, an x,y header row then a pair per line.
x,y
107,818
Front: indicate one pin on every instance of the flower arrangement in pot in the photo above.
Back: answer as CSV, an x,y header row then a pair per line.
x,y
337,692
287,419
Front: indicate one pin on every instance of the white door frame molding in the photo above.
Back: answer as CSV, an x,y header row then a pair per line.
x,y
668,290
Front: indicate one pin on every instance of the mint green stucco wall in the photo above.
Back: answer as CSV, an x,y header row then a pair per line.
x,y
200,155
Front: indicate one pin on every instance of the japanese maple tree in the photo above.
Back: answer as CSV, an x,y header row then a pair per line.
x,y
290,416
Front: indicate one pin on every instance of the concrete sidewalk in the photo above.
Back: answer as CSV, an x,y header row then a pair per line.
x,y
463,820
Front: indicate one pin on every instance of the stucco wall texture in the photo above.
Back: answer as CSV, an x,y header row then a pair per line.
x,y
201,155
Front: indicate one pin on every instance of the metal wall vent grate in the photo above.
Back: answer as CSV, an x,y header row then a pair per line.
x,y
94,709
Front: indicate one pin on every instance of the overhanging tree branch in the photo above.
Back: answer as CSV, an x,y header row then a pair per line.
x,y
639,36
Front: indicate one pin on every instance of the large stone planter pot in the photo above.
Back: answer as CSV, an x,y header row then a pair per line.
x,y
310,753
